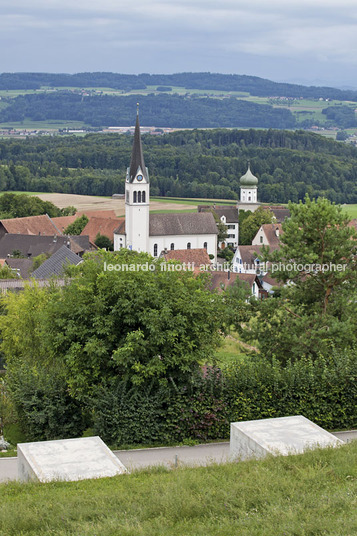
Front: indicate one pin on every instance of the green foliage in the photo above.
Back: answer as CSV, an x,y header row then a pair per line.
x,y
7,273
77,226
21,205
68,211
104,242
323,390
37,261
196,164
251,224
317,311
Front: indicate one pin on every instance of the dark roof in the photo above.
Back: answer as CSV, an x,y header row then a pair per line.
x,y
22,266
55,265
33,245
182,224
137,156
31,225
230,212
280,213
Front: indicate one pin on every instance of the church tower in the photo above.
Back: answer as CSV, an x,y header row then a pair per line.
x,y
248,187
137,197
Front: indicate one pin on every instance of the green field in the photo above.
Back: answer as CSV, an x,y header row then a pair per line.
x,y
351,210
313,494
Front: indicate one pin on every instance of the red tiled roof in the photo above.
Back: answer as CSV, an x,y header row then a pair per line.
x,y
32,225
103,226
227,279
196,256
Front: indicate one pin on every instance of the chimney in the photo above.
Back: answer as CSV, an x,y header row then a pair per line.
x,y
165,251
277,231
229,275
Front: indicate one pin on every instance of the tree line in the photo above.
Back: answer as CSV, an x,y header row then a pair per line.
x,y
198,163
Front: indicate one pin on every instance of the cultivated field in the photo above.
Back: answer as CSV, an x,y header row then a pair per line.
x,y
88,203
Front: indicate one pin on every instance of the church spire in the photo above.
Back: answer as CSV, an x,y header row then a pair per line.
x,y
137,157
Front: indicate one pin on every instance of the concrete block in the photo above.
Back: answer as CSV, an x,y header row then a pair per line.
x,y
280,436
67,459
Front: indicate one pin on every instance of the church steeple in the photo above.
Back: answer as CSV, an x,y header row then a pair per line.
x,y
137,163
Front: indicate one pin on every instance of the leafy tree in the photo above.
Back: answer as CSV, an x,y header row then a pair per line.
x,y
104,242
7,273
77,226
317,309
140,325
251,224
37,261
22,205
68,211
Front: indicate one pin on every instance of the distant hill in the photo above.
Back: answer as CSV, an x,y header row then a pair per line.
x,y
206,81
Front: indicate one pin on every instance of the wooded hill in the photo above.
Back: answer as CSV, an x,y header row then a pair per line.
x,y
183,100
194,163
211,81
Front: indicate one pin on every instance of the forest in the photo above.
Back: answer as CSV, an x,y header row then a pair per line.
x,y
160,110
225,82
197,163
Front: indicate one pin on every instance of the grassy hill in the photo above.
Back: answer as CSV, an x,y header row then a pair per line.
x,y
310,494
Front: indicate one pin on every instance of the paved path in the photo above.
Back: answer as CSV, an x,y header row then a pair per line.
x,y
168,456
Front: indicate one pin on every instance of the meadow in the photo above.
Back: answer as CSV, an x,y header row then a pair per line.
x,y
309,494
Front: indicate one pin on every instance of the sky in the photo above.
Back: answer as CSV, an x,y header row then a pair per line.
x,y
313,42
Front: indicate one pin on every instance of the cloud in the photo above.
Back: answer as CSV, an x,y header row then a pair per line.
x,y
157,35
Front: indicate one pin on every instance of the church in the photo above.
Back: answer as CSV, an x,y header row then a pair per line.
x,y
157,233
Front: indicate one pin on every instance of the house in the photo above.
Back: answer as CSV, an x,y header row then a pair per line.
x,y
153,233
246,260
268,235
31,225
56,264
222,280
229,216
33,245
22,267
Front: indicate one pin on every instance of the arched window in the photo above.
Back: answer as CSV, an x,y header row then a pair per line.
x,y
127,196
139,197
188,245
205,245
172,247
134,197
143,197
155,250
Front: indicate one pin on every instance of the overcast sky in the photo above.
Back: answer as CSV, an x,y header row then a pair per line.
x,y
307,41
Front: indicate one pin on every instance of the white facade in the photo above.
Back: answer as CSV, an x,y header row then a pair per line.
x,y
248,194
157,244
260,238
232,233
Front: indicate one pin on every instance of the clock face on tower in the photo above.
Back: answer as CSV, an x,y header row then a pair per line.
x,y
140,178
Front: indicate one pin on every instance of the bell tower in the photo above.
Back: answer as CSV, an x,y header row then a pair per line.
x,y
137,197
